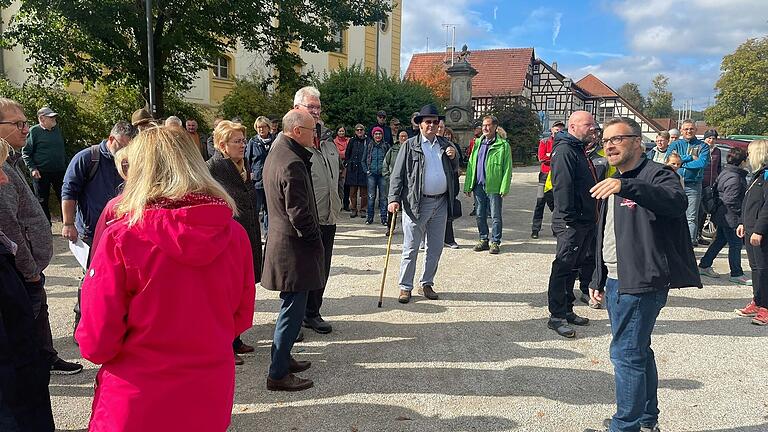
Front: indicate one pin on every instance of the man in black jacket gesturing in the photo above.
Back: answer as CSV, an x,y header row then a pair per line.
x,y
643,244
573,219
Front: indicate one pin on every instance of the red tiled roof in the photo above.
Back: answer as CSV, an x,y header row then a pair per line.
x,y
592,85
666,123
499,71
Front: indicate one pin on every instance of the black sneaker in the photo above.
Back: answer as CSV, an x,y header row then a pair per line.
x,y
61,367
574,319
535,235
318,324
369,221
561,327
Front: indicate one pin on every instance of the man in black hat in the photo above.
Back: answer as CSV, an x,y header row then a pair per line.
x,y
422,183
542,197
381,121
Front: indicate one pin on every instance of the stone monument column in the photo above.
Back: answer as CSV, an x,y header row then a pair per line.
x,y
459,114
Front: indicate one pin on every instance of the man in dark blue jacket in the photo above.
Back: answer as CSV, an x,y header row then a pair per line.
x,y
695,156
642,251
573,218
90,182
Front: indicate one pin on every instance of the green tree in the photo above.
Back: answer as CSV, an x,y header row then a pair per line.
x,y
105,41
251,98
741,104
522,126
353,95
631,93
659,100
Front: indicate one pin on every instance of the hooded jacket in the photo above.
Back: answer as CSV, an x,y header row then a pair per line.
x,y
572,176
731,187
255,154
754,211
653,248
165,298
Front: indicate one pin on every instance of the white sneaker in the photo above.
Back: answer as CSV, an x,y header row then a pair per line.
x,y
708,271
741,280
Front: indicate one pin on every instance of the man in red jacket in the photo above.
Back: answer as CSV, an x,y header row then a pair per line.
x,y
545,150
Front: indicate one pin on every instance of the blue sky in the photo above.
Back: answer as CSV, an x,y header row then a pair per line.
x,y
618,41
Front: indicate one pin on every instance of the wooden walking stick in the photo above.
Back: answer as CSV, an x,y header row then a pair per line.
x,y
392,224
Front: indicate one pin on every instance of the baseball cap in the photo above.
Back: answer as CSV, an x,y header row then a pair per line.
x,y
558,123
381,114
47,112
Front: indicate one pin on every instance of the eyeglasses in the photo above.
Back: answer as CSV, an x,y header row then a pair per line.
x,y
618,139
238,141
20,125
431,122
317,108
360,130
689,129
307,128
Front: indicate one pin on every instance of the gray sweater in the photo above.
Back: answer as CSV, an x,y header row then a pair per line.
x,y
23,221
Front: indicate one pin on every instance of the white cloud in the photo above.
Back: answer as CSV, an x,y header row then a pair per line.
x,y
691,27
556,27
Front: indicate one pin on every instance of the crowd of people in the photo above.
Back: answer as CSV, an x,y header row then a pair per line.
x,y
175,221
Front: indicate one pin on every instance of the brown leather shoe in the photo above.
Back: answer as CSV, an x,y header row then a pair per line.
x,y
296,366
245,349
428,292
405,296
289,382
239,360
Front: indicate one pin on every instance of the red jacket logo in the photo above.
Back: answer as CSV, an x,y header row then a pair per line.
x,y
628,203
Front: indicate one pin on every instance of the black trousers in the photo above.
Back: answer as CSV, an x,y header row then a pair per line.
x,y
315,298
42,188
449,236
39,300
587,267
758,262
572,244
542,199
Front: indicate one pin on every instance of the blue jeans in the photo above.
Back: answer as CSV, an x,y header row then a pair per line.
x,y
632,318
377,182
693,192
292,309
482,202
725,235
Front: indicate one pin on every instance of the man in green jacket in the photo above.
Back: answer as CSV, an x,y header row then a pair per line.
x,y
44,156
489,173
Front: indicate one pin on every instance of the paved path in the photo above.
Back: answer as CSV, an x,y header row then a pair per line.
x,y
478,359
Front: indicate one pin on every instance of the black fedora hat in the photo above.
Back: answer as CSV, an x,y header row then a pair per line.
x,y
428,111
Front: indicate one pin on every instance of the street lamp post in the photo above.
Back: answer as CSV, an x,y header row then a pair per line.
x,y
151,60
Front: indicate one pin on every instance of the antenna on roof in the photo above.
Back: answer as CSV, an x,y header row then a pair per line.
x,y
450,50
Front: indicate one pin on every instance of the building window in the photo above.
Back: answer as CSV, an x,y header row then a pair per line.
x,y
604,113
536,78
550,104
384,24
536,67
221,68
588,107
338,38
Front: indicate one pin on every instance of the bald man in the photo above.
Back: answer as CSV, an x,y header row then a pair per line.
x,y
573,218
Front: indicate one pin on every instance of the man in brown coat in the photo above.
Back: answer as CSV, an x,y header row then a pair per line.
x,y
293,260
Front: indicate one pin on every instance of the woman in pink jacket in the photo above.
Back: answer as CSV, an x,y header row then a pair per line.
x,y
169,287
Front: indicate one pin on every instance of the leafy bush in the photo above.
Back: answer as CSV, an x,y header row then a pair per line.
x,y
354,95
251,98
522,126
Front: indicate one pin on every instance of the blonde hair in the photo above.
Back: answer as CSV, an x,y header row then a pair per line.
x,y
120,157
223,133
5,149
165,163
261,120
502,133
758,154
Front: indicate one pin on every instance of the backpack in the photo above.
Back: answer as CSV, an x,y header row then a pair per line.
x,y
710,199
95,158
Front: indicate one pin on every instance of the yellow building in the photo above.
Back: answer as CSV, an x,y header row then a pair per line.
x,y
374,47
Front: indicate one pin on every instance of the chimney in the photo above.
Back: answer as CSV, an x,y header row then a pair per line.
x,y
449,52
554,65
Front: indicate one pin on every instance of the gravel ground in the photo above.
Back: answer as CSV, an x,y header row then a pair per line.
x,y
479,359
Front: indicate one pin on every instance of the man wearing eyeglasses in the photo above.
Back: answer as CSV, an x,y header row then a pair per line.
x,y
573,218
325,178
23,221
695,156
642,251
381,121
422,182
